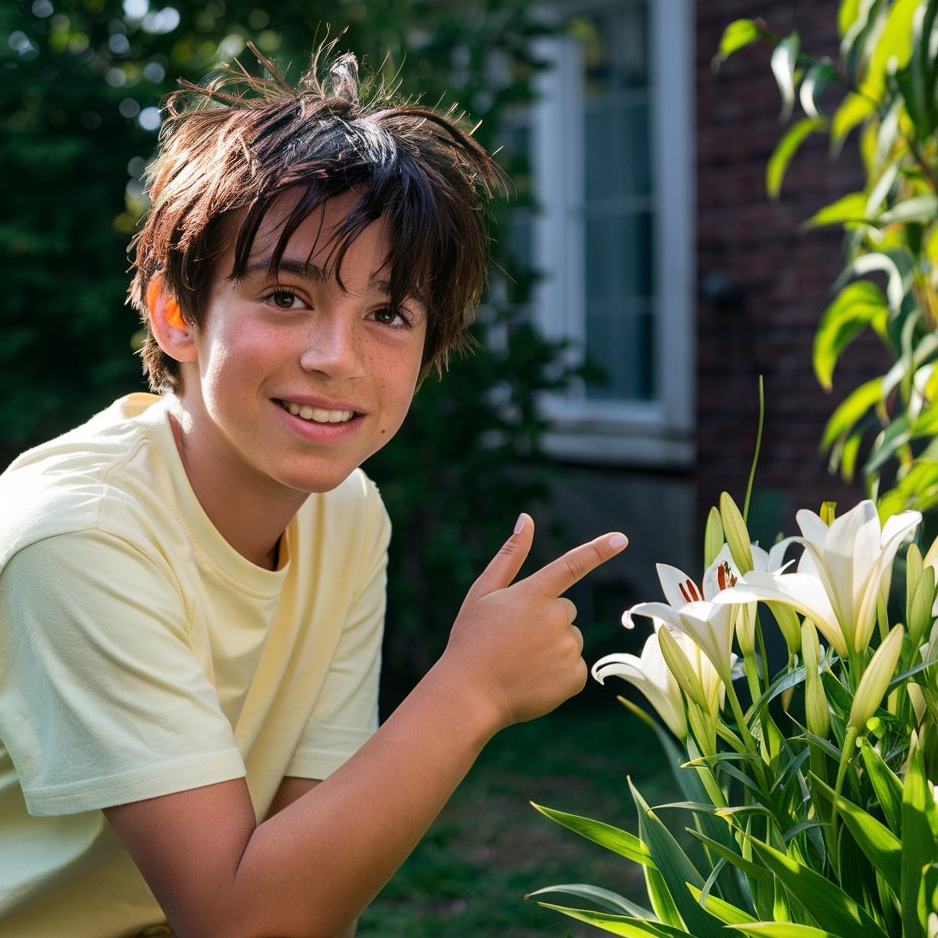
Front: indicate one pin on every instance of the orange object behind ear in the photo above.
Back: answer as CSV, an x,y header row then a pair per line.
x,y
172,314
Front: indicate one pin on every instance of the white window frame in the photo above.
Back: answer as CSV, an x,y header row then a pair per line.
x,y
660,431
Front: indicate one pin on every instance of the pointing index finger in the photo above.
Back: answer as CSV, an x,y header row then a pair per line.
x,y
558,576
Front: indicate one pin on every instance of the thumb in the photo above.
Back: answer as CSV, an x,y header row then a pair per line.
x,y
509,560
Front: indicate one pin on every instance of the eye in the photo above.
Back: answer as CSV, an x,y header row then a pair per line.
x,y
391,317
283,299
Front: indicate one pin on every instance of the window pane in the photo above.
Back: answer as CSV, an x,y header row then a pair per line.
x,y
617,201
619,340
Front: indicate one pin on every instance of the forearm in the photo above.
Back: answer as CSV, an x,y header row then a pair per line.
x,y
326,855
312,867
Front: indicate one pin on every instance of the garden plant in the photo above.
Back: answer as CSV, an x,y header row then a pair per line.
x,y
794,688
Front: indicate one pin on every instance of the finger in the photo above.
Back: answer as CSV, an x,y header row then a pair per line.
x,y
506,564
559,575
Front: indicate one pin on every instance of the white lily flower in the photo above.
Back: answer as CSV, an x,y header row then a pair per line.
x,y
650,674
840,575
690,610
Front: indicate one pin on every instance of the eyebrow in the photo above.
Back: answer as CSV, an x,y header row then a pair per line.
x,y
308,269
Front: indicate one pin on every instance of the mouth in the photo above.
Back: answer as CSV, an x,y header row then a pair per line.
x,y
317,414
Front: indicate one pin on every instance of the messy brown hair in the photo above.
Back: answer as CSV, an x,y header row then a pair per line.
x,y
230,148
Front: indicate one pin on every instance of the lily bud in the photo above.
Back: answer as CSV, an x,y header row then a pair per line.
x,y
679,665
875,679
817,712
737,535
713,537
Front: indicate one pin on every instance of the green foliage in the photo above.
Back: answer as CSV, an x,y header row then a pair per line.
x,y
884,90
812,811
79,84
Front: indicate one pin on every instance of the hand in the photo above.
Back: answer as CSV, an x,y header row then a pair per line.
x,y
515,643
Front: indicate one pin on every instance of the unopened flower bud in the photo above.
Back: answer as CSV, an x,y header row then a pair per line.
x,y
875,680
817,713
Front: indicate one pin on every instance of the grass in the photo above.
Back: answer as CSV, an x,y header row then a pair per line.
x,y
489,847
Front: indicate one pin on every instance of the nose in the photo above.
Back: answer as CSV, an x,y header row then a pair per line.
x,y
333,346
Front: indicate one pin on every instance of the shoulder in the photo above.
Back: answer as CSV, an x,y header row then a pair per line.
x,y
100,474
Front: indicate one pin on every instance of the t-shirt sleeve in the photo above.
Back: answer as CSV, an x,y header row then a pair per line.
x,y
103,699
346,713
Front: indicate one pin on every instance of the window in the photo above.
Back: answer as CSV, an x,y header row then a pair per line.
x,y
611,150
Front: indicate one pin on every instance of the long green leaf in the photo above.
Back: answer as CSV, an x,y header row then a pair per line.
x,y
726,912
746,866
829,905
736,36
886,784
918,839
848,210
861,304
879,844
852,410
853,110
786,930
784,61
621,925
893,48
612,838
921,208
604,899
786,149
675,869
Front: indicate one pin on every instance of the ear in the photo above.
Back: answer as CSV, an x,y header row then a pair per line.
x,y
169,328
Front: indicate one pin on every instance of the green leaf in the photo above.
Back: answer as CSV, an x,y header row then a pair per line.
x,y
921,208
846,15
786,930
726,912
732,855
604,899
815,80
886,784
859,305
918,838
736,36
785,150
829,905
853,110
676,871
784,62
848,209
893,48
898,265
612,838
620,925
879,844
854,407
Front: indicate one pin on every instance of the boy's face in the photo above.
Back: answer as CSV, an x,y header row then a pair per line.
x,y
292,382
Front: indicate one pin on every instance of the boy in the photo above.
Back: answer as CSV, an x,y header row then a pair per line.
x,y
192,585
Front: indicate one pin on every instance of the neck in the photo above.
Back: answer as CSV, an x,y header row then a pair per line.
x,y
250,520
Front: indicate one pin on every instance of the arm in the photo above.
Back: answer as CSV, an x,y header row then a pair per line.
x,y
309,869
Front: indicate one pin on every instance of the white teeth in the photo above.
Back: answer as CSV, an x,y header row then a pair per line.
x,y
318,414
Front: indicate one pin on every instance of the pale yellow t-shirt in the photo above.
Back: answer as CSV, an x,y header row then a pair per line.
x,y
140,655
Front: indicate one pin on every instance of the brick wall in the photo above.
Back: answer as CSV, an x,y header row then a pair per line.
x,y
763,282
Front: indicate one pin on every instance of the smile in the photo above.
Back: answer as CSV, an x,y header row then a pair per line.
x,y
317,414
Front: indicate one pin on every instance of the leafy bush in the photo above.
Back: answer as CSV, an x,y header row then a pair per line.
x,y
885,81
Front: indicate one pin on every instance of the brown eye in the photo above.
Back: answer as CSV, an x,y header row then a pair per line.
x,y
390,317
283,299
